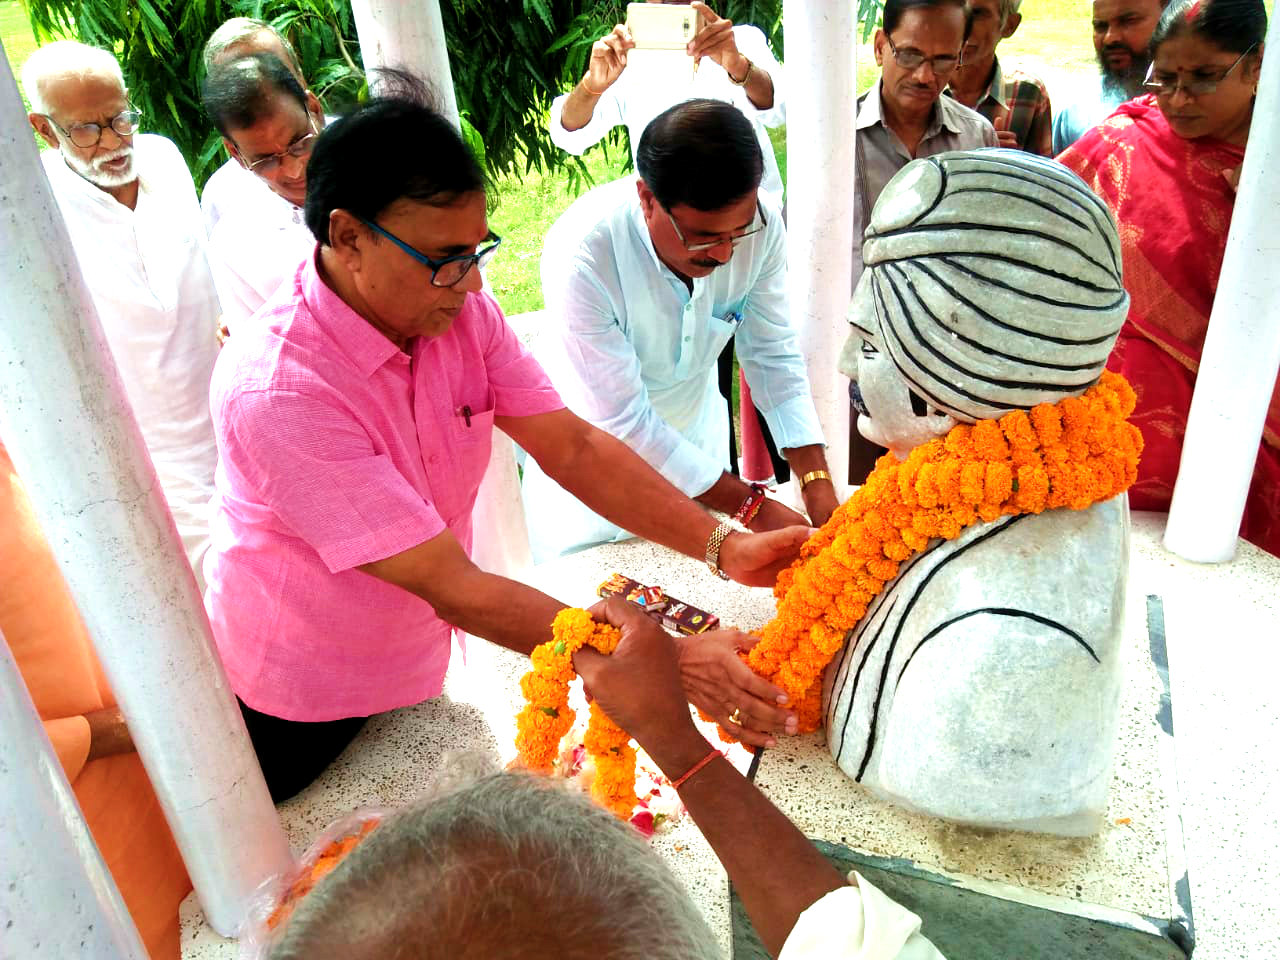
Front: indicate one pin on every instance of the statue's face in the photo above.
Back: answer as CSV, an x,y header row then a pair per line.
x,y
889,412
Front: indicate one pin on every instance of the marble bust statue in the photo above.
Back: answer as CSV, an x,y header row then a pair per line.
x,y
983,683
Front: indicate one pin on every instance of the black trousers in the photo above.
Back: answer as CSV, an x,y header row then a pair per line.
x,y
293,753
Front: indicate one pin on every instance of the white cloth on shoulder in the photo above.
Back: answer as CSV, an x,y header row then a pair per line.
x,y
858,922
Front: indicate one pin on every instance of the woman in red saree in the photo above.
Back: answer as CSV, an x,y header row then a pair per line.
x,y
1167,165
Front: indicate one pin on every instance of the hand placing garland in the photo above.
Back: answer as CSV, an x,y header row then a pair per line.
x,y
547,716
1073,453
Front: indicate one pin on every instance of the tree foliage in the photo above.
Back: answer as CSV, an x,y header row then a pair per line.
x,y
508,58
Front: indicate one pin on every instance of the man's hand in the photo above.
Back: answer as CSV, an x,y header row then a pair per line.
x,y
638,686
608,59
718,682
1007,138
756,559
774,515
715,40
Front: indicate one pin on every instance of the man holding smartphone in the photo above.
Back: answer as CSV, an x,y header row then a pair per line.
x,y
645,281
733,64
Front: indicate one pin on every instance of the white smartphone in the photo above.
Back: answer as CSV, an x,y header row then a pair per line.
x,y
662,26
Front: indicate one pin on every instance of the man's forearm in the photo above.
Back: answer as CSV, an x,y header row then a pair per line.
x,y
759,85
615,482
502,611
580,106
726,495
779,874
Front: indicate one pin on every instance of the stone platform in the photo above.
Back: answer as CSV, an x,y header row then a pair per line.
x,y
1222,624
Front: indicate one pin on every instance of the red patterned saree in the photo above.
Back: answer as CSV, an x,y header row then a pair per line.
x,y
1172,200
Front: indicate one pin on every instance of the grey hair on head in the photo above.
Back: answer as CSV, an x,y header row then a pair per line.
x,y
996,281
1007,9
239,31
495,866
64,58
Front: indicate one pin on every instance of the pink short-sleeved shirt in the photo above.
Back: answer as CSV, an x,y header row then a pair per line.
x,y
337,449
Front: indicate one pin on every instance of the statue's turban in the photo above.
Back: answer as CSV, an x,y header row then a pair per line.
x,y
996,278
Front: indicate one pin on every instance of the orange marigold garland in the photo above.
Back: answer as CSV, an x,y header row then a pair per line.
x,y
547,716
1074,453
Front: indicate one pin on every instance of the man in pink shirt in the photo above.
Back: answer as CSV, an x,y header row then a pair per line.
x,y
353,428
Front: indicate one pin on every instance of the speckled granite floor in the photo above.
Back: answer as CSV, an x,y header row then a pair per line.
x,y
1221,625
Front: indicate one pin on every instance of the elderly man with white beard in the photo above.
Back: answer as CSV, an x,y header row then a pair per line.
x,y
131,210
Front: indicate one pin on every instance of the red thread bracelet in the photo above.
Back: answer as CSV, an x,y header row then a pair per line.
x,y
696,767
751,506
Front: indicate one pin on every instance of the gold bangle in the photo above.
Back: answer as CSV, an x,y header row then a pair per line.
x,y
714,542
745,77
812,475
598,93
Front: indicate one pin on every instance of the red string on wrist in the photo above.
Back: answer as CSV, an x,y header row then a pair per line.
x,y
751,506
679,781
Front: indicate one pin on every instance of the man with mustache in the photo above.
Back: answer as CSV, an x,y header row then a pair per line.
x,y
905,116
269,123
1121,31
130,208
645,282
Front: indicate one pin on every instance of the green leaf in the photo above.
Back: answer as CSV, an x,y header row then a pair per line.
x,y
550,711
560,648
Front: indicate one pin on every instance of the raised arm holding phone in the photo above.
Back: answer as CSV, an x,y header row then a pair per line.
x,y
729,63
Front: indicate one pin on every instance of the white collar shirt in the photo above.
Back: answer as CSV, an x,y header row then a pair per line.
x,y
255,245
150,282
633,350
881,154
639,95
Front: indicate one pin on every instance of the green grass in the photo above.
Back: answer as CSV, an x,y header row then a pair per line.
x,y
19,41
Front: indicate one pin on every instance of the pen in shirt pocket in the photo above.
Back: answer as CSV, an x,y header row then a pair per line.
x,y
734,318
464,412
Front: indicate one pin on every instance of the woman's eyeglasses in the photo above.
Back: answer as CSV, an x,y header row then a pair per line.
x,y
85,135
450,270
1199,85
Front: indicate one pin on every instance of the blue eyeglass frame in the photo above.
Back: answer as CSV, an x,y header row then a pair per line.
x,y
435,265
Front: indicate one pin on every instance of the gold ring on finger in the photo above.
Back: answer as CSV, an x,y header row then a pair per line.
x,y
736,717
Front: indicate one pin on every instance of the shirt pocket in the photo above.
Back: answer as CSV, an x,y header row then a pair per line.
x,y
471,435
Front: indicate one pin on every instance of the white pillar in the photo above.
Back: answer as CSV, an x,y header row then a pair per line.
x,y
1241,351
820,196
67,424
409,34
57,898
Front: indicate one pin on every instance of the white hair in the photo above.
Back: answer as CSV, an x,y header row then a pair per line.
x,y
996,278
1008,8
241,30
509,865
64,58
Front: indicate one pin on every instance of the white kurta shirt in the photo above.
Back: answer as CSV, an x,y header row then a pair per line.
x,y
151,285
637,96
857,922
632,350
256,243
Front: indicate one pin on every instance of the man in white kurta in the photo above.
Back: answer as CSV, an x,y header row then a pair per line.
x,y
130,208
636,321
739,69
269,124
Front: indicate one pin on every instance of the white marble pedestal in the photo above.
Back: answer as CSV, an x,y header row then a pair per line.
x,y
1223,623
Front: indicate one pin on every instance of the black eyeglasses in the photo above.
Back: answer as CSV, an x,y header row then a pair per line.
x,y
1167,84
913,59
85,135
300,149
450,270
733,239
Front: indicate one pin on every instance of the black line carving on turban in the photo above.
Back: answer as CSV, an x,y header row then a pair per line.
x,y
996,280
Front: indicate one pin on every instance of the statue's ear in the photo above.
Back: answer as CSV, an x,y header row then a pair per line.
x,y
941,422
